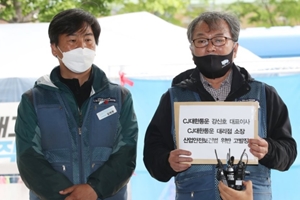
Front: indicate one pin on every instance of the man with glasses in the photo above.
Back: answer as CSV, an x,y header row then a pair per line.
x,y
213,38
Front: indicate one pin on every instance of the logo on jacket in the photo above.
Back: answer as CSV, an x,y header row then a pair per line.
x,y
103,100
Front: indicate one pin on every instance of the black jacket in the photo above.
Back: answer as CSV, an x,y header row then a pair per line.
x,y
282,150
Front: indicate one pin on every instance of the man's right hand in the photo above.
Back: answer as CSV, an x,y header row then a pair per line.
x,y
228,193
179,160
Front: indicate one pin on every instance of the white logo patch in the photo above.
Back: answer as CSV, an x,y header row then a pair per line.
x,y
225,62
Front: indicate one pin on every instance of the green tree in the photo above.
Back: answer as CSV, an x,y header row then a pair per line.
x,y
267,12
196,9
169,10
18,11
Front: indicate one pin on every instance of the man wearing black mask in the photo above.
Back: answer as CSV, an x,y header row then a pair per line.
x,y
214,44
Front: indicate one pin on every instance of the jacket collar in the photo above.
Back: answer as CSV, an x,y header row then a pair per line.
x,y
239,85
98,77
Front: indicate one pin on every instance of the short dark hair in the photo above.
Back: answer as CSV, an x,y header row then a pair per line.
x,y
71,20
212,18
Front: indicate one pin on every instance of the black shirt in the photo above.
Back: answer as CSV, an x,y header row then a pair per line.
x,y
81,93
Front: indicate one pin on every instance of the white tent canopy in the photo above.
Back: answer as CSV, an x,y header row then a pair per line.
x,y
140,44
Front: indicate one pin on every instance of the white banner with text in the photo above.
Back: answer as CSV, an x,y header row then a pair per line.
x,y
210,128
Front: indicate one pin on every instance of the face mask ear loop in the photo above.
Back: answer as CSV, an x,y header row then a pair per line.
x,y
60,52
234,44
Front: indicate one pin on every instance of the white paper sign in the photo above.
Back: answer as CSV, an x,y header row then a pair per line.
x,y
207,128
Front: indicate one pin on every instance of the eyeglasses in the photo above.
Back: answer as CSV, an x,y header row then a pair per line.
x,y
216,41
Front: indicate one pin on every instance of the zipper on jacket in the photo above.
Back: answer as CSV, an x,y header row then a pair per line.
x,y
80,118
80,121
80,146
192,194
81,169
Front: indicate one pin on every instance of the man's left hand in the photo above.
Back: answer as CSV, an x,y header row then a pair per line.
x,y
79,192
258,147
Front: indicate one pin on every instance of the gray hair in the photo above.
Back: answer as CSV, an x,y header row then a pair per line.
x,y
212,18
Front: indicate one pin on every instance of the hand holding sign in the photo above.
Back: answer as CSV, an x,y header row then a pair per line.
x,y
178,160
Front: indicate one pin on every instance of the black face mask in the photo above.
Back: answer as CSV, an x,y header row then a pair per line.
x,y
213,66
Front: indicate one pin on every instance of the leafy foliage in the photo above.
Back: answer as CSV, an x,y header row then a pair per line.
x,y
43,10
257,12
267,12
166,9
